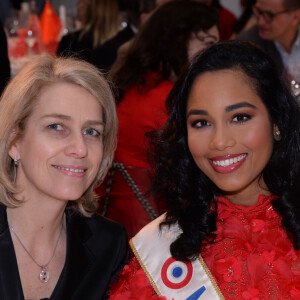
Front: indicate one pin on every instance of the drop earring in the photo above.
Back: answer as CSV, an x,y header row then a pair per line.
x,y
16,161
16,164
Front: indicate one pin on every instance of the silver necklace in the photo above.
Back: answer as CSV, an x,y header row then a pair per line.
x,y
44,274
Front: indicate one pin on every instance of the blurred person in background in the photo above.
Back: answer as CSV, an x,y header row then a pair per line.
x,y
226,18
277,32
173,34
247,18
4,60
100,22
137,11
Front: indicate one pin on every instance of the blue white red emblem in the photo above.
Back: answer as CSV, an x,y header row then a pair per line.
x,y
169,277
176,274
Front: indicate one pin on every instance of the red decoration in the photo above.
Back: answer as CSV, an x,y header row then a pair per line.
x,y
50,26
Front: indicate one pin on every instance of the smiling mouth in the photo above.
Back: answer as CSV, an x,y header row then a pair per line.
x,y
229,161
70,169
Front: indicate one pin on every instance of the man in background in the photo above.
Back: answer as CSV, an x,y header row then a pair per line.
x,y
277,32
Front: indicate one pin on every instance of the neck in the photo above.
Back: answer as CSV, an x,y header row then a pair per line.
x,y
36,222
248,196
289,39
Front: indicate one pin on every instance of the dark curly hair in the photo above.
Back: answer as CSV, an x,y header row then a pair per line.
x,y
161,44
189,193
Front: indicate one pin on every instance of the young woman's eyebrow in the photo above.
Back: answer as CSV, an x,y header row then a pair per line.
x,y
197,112
239,105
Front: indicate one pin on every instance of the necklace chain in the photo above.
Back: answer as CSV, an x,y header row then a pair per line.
x,y
44,274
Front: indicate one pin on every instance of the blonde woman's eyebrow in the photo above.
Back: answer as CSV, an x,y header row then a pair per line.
x,y
68,118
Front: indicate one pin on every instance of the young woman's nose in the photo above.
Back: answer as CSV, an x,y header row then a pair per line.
x,y
222,138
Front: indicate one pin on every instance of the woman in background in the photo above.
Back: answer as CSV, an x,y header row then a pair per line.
x,y
228,165
226,18
100,21
172,35
58,128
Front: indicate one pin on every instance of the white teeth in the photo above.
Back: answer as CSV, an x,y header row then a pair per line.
x,y
228,162
70,169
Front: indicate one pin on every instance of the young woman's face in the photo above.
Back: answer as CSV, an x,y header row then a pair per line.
x,y
61,150
201,41
230,135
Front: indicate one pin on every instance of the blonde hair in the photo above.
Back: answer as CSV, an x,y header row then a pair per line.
x,y
21,96
101,20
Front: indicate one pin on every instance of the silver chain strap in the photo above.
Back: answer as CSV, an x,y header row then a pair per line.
x,y
135,189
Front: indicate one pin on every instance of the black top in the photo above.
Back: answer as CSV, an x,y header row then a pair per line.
x,y
252,35
106,54
4,61
102,56
96,250
73,44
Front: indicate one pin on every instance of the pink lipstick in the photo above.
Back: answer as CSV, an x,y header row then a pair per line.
x,y
228,163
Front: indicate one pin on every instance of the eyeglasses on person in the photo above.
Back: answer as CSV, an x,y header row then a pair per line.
x,y
268,15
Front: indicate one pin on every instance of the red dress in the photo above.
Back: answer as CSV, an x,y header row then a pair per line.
x,y
252,258
141,110
227,21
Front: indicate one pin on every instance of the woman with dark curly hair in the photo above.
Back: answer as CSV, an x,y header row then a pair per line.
x,y
169,39
228,164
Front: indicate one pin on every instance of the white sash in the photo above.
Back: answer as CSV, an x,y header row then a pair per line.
x,y
173,279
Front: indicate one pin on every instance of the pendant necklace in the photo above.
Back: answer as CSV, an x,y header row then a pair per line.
x,y
44,274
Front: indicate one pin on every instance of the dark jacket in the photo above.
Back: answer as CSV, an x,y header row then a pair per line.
x,y
106,54
269,47
74,45
4,61
102,56
96,250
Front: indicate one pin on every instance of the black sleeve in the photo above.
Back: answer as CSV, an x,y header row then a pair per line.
x,y
123,258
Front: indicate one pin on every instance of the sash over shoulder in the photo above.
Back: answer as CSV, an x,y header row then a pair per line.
x,y
176,280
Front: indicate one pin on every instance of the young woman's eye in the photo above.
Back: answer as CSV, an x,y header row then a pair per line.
x,y
200,124
55,126
92,132
241,118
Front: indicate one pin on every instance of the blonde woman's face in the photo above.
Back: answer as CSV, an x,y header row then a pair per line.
x,y
62,148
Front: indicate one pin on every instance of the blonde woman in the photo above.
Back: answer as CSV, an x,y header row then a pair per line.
x,y
57,130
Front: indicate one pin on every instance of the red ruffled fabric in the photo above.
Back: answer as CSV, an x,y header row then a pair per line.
x,y
252,257
133,284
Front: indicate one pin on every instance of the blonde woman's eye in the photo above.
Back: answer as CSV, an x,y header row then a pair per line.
x,y
92,132
55,126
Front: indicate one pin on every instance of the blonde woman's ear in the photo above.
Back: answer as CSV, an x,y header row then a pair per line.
x,y
11,146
